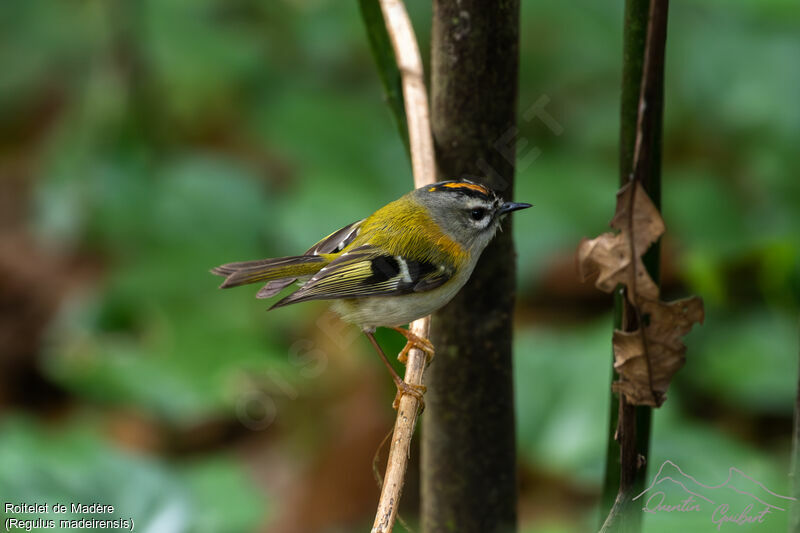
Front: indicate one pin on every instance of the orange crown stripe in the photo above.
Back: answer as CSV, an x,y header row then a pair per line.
x,y
473,186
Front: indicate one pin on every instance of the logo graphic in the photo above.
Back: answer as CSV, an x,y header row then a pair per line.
x,y
740,500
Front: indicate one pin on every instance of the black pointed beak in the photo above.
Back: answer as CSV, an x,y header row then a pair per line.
x,y
512,206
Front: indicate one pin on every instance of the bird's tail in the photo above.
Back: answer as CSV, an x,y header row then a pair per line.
x,y
279,268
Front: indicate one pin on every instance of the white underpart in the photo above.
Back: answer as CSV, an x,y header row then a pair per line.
x,y
404,273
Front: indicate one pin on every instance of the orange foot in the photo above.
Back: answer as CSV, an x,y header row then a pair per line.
x,y
417,391
414,341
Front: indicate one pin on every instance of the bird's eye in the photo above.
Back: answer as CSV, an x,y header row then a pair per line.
x,y
478,213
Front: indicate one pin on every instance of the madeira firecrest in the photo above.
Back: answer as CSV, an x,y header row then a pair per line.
x,y
403,262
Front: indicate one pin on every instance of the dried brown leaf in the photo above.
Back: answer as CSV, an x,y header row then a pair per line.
x,y
618,257
646,359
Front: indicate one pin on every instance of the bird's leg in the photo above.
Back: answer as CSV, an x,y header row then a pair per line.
x,y
416,391
414,341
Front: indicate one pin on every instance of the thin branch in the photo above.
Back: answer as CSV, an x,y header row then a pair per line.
x,y
409,62
651,94
640,160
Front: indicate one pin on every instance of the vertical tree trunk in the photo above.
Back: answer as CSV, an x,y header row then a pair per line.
x,y
468,443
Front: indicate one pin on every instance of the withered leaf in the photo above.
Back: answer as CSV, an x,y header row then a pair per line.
x,y
646,359
618,257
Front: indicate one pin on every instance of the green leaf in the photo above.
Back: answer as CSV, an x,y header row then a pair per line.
x,y
382,51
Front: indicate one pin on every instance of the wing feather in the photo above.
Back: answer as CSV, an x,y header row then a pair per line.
x,y
335,242
366,271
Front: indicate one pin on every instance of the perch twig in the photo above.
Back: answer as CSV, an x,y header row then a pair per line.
x,y
409,62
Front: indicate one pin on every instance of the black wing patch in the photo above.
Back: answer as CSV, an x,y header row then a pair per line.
x,y
413,275
362,273
384,268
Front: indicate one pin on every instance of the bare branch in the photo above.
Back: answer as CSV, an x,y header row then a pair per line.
x,y
415,97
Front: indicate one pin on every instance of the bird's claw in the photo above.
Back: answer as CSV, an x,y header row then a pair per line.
x,y
417,391
415,341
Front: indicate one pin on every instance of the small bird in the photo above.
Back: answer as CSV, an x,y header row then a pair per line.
x,y
401,263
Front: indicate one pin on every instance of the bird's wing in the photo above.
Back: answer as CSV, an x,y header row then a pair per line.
x,y
336,241
333,243
367,271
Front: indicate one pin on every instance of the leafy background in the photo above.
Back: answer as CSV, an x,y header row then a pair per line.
x,y
142,143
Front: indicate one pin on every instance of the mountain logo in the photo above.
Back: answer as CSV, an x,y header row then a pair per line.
x,y
739,500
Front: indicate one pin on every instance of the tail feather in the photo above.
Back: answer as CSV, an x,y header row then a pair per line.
x,y
274,287
279,268
261,264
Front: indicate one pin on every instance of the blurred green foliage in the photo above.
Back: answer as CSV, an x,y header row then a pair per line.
x,y
169,136
77,466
